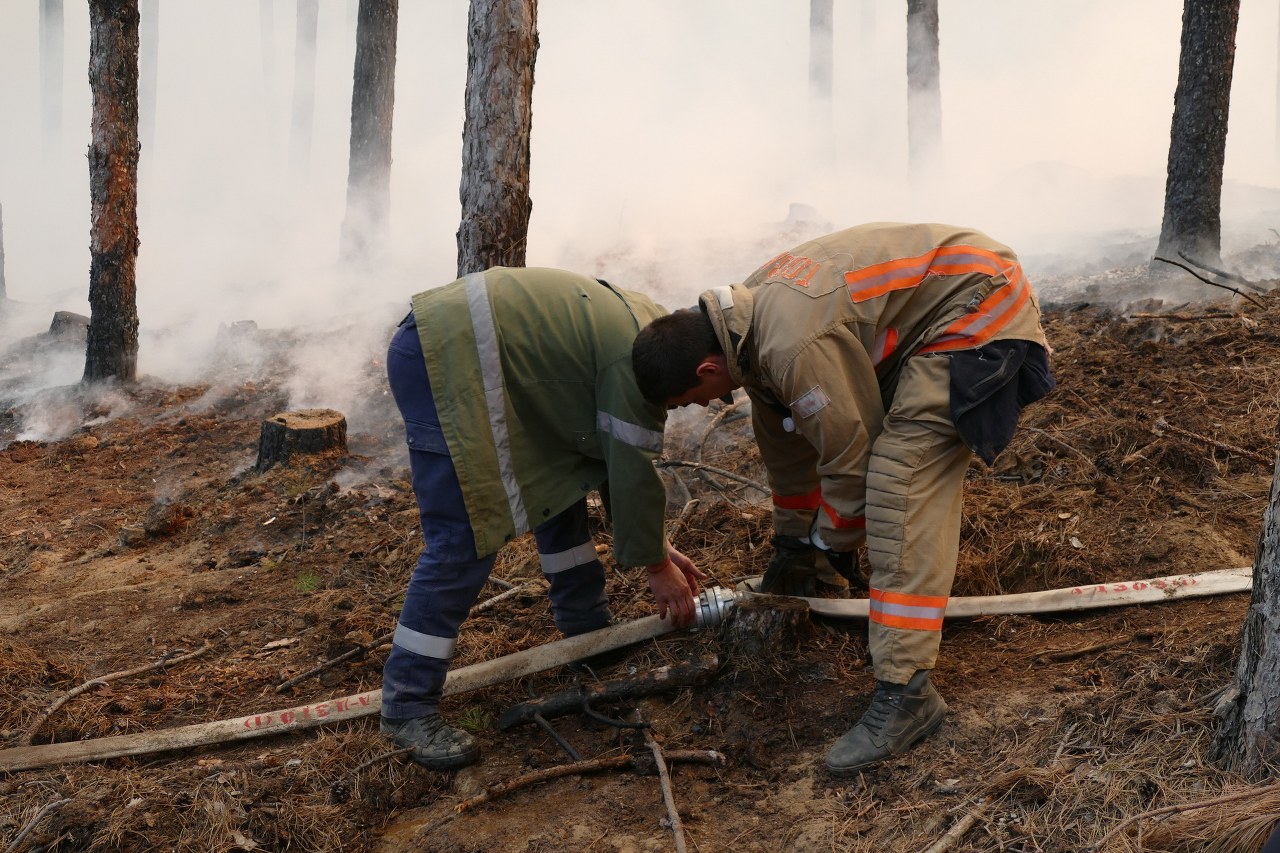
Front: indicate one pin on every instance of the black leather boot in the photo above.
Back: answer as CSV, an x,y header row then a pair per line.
x,y
900,716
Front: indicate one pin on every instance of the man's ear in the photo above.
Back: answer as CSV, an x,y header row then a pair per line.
x,y
707,367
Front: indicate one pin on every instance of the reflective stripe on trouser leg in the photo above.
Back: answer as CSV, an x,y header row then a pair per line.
x,y
915,482
568,556
449,575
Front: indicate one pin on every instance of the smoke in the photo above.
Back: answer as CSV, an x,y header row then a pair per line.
x,y
670,143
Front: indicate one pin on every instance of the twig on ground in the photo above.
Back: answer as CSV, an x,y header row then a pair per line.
x,y
1146,315
593,765
383,757
113,676
1230,276
1162,426
1062,443
555,735
1182,807
715,422
959,828
1234,290
698,466
31,824
664,779
1072,654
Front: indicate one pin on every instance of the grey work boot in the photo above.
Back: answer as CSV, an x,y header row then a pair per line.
x,y
436,745
900,715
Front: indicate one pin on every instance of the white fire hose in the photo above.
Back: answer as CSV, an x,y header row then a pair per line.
x,y
712,605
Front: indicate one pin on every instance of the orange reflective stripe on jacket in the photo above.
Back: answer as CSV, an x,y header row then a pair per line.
x,y
879,279
992,315
899,610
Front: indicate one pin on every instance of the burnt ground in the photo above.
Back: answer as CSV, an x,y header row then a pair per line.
x,y
148,534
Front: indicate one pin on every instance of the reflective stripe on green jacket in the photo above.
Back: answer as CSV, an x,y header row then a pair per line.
x,y
531,372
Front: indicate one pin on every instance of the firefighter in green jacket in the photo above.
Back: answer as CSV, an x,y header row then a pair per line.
x,y
518,399
876,360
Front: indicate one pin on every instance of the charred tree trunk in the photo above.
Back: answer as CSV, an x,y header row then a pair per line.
x,y
502,44
304,82
924,92
1248,739
51,28
1198,138
821,36
112,347
301,432
373,96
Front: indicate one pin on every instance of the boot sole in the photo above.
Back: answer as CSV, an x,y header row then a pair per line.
x,y
929,728
442,764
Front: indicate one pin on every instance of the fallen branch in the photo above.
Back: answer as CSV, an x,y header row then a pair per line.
x,y
1182,807
1162,426
1146,315
959,829
664,780
593,765
698,466
31,824
1072,654
1259,286
1234,290
96,682
697,670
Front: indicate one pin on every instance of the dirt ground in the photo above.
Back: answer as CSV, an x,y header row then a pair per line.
x,y
148,534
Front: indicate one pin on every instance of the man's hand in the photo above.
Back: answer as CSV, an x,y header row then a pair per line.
x,y
792,570
674,589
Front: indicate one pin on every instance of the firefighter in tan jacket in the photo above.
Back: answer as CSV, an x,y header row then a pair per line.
x,y
877,359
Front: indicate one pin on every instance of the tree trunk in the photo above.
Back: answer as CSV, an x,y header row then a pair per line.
x,y
1198,138
3,290
373,96
304,81
148,66
1248,739
502,44
112,346
51,29
301,432
762,630
924,93
822,123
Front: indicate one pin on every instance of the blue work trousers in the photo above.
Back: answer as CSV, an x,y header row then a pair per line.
x,y
449,573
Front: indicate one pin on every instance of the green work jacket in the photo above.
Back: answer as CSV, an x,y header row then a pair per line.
x,y
531,372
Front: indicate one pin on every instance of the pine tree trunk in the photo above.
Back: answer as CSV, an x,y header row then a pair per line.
x,y
821,35
304,81
502,44
1198,138
924,93
373,96
1248,739
51,28
112,347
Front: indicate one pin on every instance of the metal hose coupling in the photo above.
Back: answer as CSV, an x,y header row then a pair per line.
x,y
712,605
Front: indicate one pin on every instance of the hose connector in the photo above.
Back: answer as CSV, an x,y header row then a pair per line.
x,y
712,605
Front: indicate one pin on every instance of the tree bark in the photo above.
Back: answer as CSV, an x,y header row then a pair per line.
x,y
924,93
1248,738
373,95
502,45
51,29
1198,137
300,432
822,123
112,346
304,81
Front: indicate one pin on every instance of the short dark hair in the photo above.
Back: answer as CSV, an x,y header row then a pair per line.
x,y
667,352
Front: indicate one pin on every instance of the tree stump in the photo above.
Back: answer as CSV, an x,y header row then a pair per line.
x,y
761,628
303,431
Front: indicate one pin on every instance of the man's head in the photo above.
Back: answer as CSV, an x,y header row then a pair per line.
x,y
678,361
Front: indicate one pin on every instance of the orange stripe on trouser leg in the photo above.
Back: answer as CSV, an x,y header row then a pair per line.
x,y
906,622
839,522
808,500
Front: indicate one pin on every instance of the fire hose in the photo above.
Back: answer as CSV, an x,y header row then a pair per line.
x,y
712,606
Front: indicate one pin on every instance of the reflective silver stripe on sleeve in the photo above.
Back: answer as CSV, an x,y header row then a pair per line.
x,y
578,555
424,644
629,433
494,392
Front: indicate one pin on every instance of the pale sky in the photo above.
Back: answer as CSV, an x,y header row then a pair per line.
x,y
669,136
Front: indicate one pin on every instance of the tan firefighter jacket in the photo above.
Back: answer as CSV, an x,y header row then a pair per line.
x,y
531,373
817,337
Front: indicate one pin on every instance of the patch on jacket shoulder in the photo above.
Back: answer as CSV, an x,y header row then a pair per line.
x,y
811,402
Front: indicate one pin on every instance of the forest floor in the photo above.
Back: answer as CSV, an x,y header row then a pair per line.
x,y
148,535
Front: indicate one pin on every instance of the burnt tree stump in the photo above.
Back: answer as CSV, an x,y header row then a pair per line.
x,y
764,628
303,431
